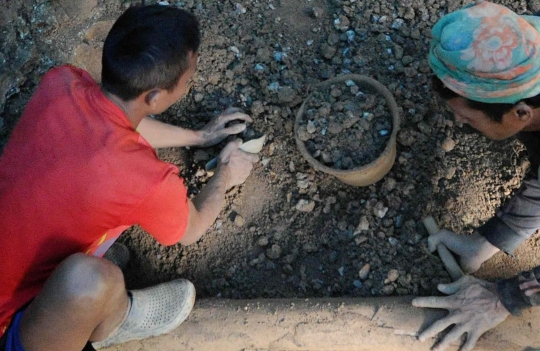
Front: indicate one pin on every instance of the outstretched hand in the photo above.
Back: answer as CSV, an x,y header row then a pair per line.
x,y
216,130
473,249
474,308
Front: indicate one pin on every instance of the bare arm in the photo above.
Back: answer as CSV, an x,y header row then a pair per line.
x,y
234,166
162,135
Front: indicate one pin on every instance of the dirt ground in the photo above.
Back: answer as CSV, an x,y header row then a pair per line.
x,y
264,56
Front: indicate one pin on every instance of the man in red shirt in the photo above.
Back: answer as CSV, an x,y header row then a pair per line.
x,y
80,168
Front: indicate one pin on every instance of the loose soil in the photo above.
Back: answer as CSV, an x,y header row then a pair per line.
x,y
290,231
344,127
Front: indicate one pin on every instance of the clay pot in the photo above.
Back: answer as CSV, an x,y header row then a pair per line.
x,y
372,172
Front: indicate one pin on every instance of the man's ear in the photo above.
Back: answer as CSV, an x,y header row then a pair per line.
x,y
522,112
151,98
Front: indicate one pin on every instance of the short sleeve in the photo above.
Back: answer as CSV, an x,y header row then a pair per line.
x,y
164,214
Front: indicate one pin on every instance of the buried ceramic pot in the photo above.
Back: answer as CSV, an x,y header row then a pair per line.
x,y
374,171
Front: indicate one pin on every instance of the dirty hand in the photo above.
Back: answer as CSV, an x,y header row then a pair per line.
x,y
215,131
474,308
473,249
234,164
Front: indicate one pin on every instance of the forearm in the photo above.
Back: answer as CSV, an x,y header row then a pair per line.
x,y
521,291
517,220
162,135
204,208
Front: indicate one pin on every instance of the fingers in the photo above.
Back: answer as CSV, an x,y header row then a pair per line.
x,y
235,129
456,243
433,302
253,158
437,327
472,338
449,338
231,146
231,110
438,238
452,288
235,116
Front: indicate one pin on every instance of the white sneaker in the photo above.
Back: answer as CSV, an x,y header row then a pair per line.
x,y
154,311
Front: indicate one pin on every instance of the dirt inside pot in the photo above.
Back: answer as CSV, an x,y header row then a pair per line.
x,y
344,127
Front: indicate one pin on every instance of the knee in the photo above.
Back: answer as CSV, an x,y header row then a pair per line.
x,y
90,280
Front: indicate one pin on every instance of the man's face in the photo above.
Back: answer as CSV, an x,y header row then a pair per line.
x,y
481,122
168,98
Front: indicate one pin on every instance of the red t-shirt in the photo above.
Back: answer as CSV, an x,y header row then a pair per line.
x,y
73,175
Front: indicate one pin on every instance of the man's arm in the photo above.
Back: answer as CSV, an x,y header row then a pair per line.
x,y
234,166
476,306
517,220
162,135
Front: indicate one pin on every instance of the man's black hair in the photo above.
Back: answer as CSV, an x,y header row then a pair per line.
x,y
494,111
147,48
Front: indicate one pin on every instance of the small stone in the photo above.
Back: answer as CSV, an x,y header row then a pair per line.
x,y
263,241
448,145
450,172
334,128
342,225
358,284
274,252
341,271
393,241
364,272
380,210
359,240
363,225
393,275
389,184
303,183
239,221
303,133
198,97
328,51
316,12
292,167
286,95
311,127
200,155
305,205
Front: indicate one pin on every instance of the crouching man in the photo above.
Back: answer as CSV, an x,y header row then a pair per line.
x,y
486,60
80,168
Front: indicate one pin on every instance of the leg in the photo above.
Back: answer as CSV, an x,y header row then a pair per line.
x,y
84,299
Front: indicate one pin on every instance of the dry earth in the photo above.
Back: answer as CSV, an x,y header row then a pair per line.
x,y
264,56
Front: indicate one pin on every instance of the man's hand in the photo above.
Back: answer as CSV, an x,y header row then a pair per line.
x,y
234,164
473,249
474,308
215,131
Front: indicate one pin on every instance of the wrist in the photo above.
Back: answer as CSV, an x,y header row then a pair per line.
x,y
199,136
484,246
222,175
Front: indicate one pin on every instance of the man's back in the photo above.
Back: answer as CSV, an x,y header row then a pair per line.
x,y
73,176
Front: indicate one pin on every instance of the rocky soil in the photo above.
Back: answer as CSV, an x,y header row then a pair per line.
x,y
291,231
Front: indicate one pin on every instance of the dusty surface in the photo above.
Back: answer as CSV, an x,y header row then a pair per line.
x,y
289,231
361,324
